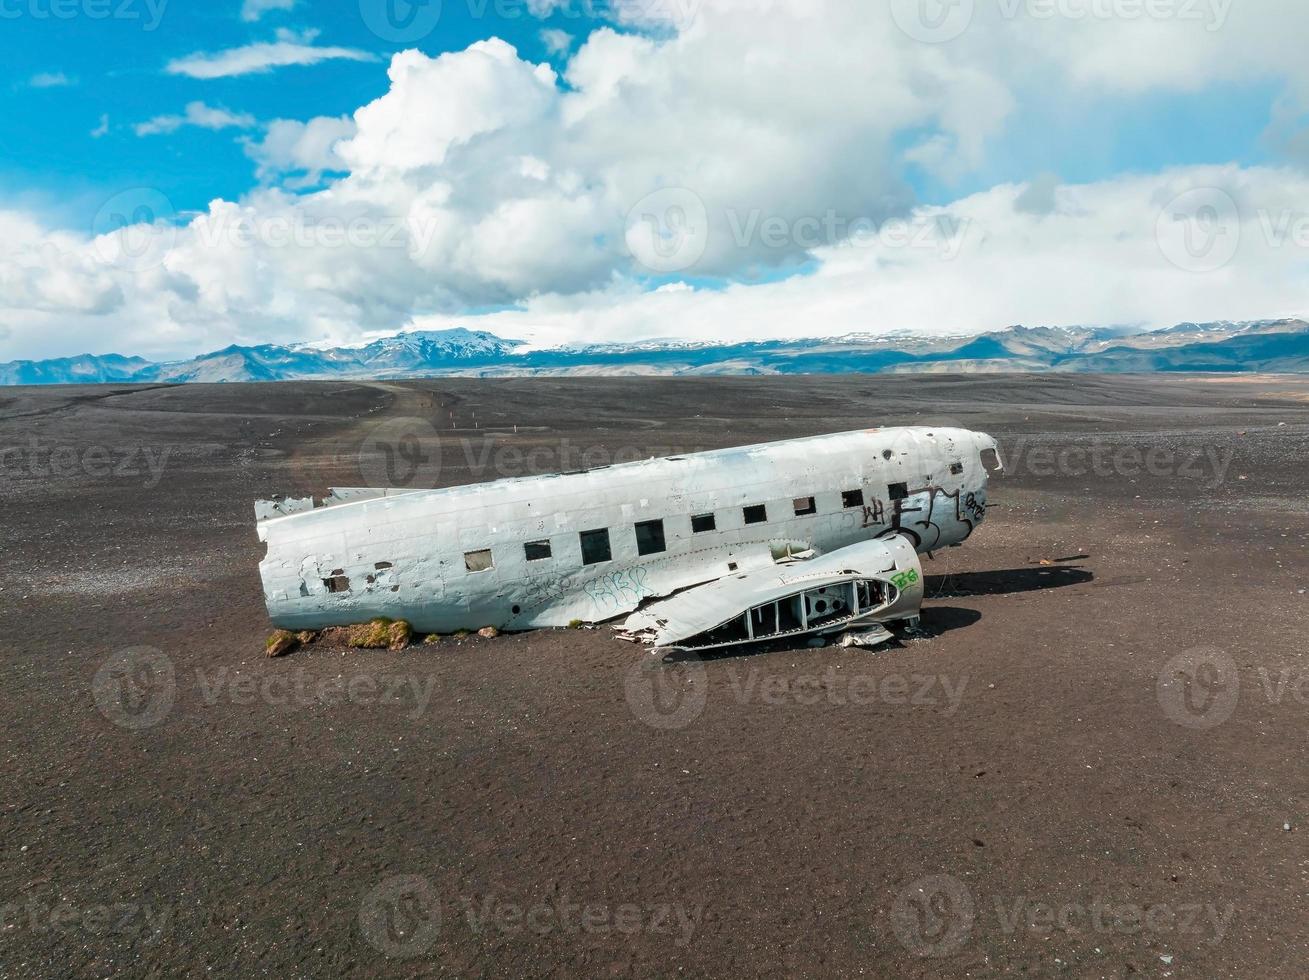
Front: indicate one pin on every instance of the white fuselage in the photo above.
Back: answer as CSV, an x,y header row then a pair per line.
x,y
590,547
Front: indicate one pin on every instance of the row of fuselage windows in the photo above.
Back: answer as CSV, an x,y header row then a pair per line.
x,y
650,539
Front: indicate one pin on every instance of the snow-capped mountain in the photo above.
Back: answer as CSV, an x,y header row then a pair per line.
x,y
1263,345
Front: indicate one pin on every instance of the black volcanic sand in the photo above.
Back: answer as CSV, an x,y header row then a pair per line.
x,y
1088,769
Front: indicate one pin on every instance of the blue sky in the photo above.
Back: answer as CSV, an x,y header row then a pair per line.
x,y
117,67
642,168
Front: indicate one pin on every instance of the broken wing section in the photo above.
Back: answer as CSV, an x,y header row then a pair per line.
x,y
271,510
863,584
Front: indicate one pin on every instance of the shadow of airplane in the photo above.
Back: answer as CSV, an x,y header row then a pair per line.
x,y
937,620
1005,581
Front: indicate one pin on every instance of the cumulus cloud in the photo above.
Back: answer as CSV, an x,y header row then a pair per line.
x,y
556,42
303,149
199,115
290,49
649,192
1140,250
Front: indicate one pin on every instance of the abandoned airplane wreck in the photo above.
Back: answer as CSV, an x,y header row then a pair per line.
x,y
814,536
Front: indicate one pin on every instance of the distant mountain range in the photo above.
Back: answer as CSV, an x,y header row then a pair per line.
x,y
1273,346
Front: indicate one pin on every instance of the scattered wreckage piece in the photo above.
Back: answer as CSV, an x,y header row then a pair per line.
x,y
873,582
734,531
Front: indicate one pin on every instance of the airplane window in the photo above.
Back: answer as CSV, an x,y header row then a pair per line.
x,y
898,491
852,498
478,561
805,505
650,538
538,550
595,547
702,523
756,514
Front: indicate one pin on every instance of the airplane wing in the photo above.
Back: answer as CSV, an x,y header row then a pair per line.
x,y
842,591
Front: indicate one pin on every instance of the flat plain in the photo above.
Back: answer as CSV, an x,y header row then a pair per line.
x,y
1092,765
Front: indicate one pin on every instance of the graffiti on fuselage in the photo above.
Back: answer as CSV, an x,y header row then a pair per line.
x,y
874,514
925,526
614,592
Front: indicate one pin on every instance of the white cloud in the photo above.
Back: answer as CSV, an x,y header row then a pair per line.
x,y
252,10
556,42
982,264
481,180
284,268
51,79
199,115
306,148
102,129
290,49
